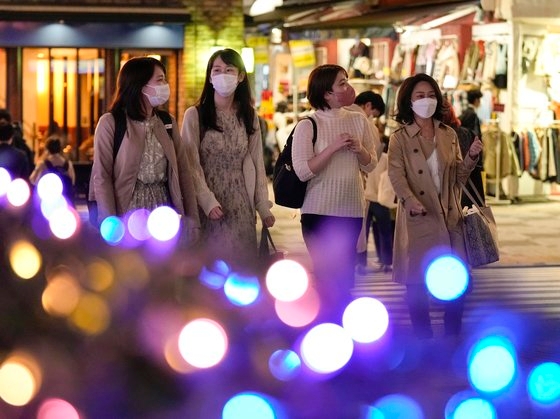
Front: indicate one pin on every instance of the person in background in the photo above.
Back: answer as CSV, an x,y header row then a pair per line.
x,y
55,162
151,168
333,207
466,138
377,217
224,141
426,170
11,158
17,140
469,118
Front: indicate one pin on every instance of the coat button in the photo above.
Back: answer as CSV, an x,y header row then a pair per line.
x,y
420,171
421,192
415,150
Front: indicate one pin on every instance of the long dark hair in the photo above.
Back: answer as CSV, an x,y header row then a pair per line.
x,y
133,76
405,114
242,97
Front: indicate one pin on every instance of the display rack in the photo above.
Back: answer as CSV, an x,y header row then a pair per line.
x,y
494,127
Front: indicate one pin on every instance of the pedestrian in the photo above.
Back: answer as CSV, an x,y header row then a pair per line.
x,y
224,140
469,118
466,138
55,162
11,158
426,170
377,217
17,140
151,168
334,204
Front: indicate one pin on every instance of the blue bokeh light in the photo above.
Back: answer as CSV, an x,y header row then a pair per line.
x,y
242,290
284,364
395,406
447,278
492,364
112,230
248,405
543,384
474,408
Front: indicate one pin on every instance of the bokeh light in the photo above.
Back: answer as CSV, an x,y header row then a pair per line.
x,y
248,406
20,379
49,187
18,192
366,319
25,259
326,348
284,364
57,409
92,314
543,384
112,230
287,280
61,295
163,223
474,407
100,274
492,364
138,224
50,206
64,222
395,406
242,290
5,180
203,343
300,312
447,278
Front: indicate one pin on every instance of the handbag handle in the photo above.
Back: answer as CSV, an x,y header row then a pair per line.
x,y
469,195
266,232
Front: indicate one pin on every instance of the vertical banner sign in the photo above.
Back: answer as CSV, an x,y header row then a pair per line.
x,y
260,47
303,53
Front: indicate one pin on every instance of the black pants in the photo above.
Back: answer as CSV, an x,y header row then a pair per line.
x,y
331,243
378,219
419,309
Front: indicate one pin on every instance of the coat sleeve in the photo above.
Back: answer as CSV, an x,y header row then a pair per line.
x,y
190,134
262,203
397,170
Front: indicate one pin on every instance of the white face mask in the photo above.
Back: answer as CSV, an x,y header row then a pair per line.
x,y
424,107
160,97
224,84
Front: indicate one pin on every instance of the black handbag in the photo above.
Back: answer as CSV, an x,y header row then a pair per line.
x,y
268,253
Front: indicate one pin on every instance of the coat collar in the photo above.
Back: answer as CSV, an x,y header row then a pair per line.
x,y
414,129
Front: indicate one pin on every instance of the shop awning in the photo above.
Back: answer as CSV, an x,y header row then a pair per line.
x,y
357,14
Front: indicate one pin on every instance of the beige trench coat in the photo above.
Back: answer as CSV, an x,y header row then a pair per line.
x,y
419,239
113,182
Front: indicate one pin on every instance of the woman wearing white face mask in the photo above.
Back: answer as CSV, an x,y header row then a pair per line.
x,y
151,167
223,138
426,170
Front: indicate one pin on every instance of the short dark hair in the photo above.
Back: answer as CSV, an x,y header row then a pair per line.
x,y
5,114
53,145
473,95
320,82
6,132
405,114
371,97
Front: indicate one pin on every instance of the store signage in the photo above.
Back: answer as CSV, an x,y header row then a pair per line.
x,y
303,53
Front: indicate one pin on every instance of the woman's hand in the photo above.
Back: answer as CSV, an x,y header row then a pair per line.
x,y
416,208
475,148
342,142
216,213
269,221
354,144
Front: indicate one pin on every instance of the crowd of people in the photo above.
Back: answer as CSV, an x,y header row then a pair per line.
x,y
211,171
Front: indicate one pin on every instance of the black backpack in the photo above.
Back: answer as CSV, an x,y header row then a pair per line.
x,y
120,129
62,173
289,191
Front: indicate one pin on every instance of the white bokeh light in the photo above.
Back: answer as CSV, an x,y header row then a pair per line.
x,y
18,192
326,348
5,180
163,223
49,187
287,280
64,222
366,319
203,343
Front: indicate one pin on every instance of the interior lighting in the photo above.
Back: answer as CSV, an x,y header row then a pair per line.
x,y
261,7
248,56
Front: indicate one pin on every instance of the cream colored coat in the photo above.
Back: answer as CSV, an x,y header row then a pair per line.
x,y
253,168
113,181
419,239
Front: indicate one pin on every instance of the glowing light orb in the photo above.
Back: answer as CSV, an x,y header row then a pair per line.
x,y
203,343
248,406
138,224
20,379
64,222
57,409
242,290
287,280
492,364
366,319
447,278
300,312
5,180
164,223
475,408
326,348
395,406
61,295
92,314
50,206
49,187
112,230
543,384
18,192
285,364
25,259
